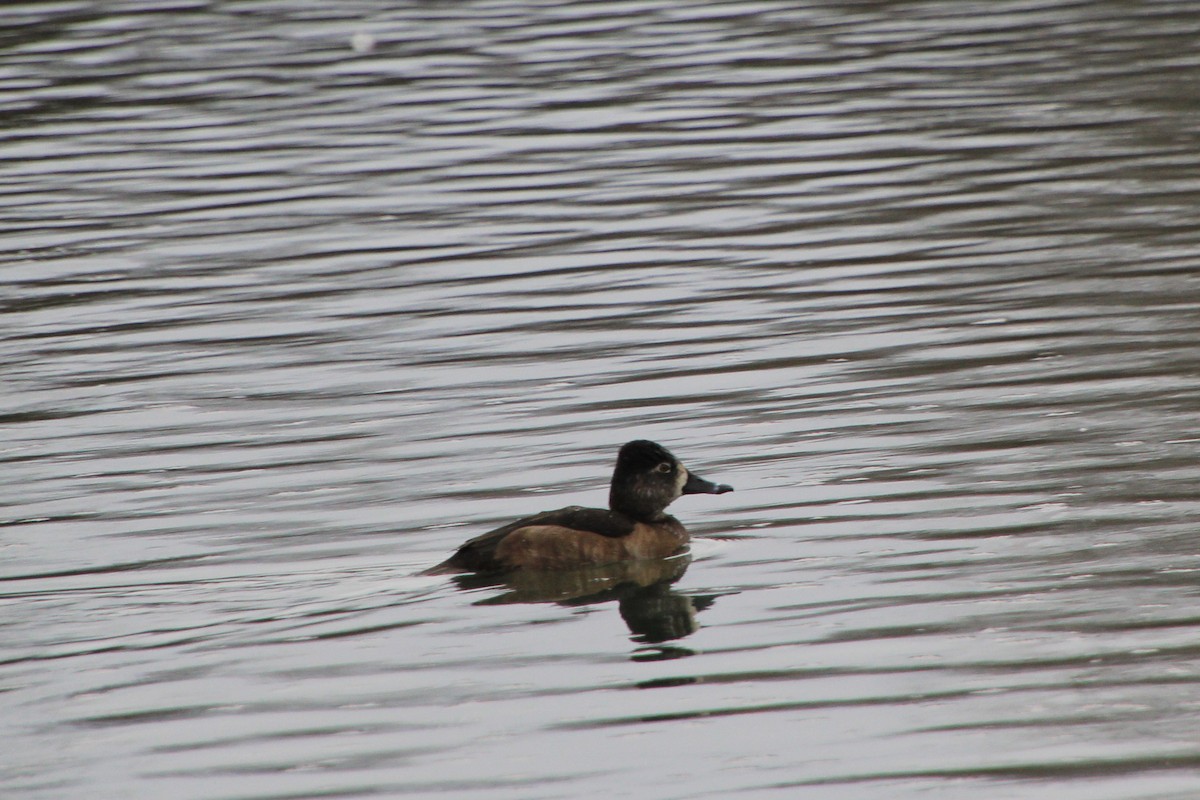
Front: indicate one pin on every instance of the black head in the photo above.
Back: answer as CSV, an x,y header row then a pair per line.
x,y
648,478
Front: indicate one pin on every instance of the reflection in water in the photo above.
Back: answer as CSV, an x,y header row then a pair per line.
x,y
657,614
642,589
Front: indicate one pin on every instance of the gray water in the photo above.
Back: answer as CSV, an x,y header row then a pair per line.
x,y
296,297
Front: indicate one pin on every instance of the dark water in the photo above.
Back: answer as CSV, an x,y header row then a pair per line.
x,y
298,296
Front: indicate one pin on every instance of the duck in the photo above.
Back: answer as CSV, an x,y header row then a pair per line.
x,y
645,480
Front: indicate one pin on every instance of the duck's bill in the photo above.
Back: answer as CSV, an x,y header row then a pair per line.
x,y
697,485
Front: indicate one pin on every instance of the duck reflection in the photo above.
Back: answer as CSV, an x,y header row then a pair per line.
x,y
653,611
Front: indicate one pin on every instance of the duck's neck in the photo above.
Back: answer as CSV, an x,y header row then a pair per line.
x,y
639,511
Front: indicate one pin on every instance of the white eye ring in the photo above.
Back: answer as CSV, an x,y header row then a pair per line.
x,y
664,467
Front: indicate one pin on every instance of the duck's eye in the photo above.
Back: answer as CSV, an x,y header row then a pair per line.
x,y
663,467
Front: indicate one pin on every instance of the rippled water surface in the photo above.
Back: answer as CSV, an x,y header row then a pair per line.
x,y
296,297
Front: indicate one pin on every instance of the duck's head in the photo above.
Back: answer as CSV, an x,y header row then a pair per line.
x,y
648,478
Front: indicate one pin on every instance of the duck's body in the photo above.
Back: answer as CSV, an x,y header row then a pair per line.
x,y
568,538
645,481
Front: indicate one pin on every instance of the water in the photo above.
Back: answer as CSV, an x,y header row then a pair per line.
x,y
296,298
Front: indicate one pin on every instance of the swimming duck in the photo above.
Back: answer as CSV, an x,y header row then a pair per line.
x,y
646,479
